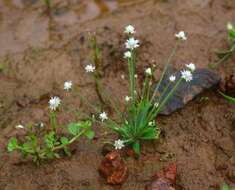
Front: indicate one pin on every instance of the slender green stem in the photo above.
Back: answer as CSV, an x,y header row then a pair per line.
x,y
168,96
165,69
53,120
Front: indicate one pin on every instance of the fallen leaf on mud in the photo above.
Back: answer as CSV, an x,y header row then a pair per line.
x,y
202,79
227,84
164,180
113,168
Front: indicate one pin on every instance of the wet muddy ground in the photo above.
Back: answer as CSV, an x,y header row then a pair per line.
x,y
38,53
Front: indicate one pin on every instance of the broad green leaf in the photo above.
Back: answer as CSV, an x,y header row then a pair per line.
x,y
136,147
89,134
64,141
12,145
74,128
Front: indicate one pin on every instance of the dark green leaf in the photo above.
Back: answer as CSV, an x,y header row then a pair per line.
x,y
149,134
136,147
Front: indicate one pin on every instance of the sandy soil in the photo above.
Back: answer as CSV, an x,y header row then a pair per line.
x,y
39,53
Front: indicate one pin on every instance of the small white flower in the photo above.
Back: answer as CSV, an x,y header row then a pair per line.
x,y
191,66
127,55
229,26
136,76
172,78
68,85
181,35
187,75
54,102
135,92
90,68
132,43
123,77
148,71
156,104
127,98
151,123
40,125
129,29
19,127
119,144
103,116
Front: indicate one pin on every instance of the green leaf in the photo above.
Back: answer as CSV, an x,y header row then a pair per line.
x,y
225,187
89,134
136,147
149,134
12,145
85,124
231,99
64,141
74,128
50,139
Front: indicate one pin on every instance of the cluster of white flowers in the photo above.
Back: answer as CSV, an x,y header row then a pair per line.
x,y
103,116
68,85
90,68
54,103
187,75
119,144
131,43
181,35
130,29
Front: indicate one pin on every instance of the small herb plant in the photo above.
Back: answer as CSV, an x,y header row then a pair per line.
x,y
41,143
143,105
226,54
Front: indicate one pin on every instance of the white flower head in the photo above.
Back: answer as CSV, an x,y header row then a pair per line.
x,y
103,116
54,102
181,35
40,125
127,98
132,43
151,123
119,144
90,68
229,26
187,75
191,66
148,71
68,85
130,29
156,104
122,76
127,55
172,78
136,76
19,126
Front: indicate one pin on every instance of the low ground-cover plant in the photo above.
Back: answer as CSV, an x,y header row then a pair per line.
x,y
42,143
143,104
226,54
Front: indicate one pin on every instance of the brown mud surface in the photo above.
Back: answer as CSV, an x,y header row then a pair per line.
x,y
38,53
